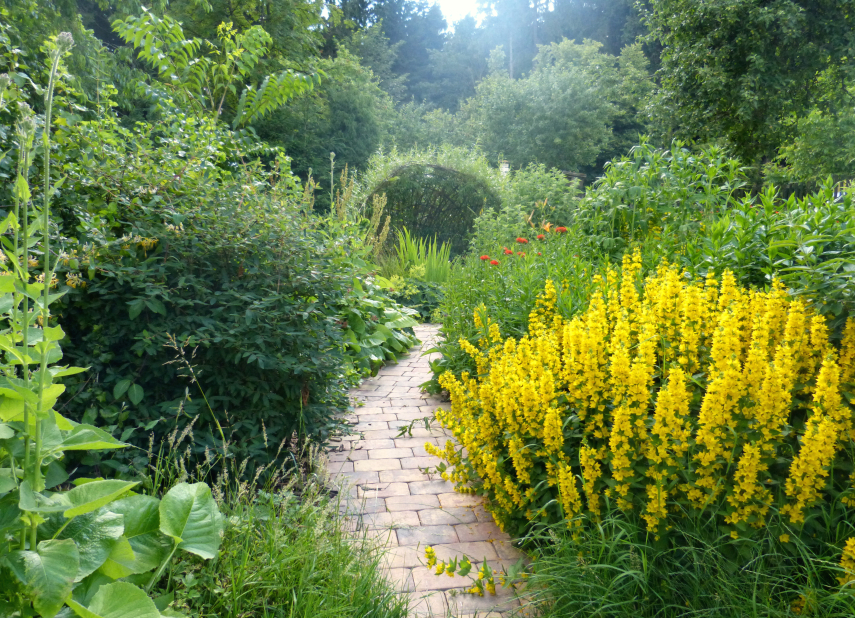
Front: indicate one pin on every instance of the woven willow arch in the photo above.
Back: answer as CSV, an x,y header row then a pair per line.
x,y
434,192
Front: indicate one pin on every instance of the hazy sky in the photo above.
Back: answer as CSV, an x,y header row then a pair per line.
x,y
457,9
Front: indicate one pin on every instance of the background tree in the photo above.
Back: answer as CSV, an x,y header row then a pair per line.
x,y
742,69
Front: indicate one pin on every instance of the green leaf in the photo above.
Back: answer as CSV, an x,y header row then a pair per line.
x,y
118,600
89,438
34,502
121,561
121,388
91,496
142,529
189,515
95,533
6,432
135,307
47,573
135,394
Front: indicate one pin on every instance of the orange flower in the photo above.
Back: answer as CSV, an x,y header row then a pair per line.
x,y
508,251
520,253
485,257
540,236
561,229
494,262
522,241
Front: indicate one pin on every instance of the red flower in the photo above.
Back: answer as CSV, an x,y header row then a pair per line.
x,y
540,236
522,241
485,257
508,251
539,253
521,253
561,229
494,262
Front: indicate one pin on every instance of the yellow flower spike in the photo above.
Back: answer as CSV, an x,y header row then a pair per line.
x,y
847,562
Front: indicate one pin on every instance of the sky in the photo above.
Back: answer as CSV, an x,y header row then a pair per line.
x,y
454,10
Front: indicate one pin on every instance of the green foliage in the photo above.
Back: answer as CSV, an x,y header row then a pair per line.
x,y
564,114
534,196
435,192
742,70
66,547
615,571
658,193
207,76
375,328
347,114
291,551
432,259
806,243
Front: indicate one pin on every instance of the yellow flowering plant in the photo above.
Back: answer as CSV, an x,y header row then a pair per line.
x,y
666,398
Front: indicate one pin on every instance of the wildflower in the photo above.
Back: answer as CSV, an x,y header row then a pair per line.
x,y
73,280
541,237
485,257
430,554
561,229
508,251
539,253
847,562
784,538
522,241
494,262
809,470
520,253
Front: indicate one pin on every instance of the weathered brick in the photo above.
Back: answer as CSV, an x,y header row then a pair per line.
x,y
400,519
428,461
384,490
454,499
411,503
376,465
483,531
390,453
401,476
427,535
456,515
431,487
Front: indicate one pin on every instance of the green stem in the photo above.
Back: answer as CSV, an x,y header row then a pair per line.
x,y
156,575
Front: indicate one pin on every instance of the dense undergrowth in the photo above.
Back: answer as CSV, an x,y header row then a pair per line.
x,y
217,321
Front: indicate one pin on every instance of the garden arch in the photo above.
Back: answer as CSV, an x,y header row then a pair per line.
x,y
434,192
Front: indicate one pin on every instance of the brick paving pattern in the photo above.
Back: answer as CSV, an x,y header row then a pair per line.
x,y
390,496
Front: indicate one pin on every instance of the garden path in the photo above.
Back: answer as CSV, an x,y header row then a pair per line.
x,y
389,496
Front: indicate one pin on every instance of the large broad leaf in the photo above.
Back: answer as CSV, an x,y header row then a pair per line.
x,y
189,515
35,502
89,438
96,535
121,562
92,496
119,600
142,529
47,573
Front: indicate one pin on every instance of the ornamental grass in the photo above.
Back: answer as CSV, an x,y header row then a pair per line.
x,y
666,399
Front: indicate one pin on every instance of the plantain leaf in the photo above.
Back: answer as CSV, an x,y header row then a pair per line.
x,y
189,515
92,496
47,573
142,529
118,600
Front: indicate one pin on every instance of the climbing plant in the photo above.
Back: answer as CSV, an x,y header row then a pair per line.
x,y
437,192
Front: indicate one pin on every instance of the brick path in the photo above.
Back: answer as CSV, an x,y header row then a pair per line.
x,y
389,495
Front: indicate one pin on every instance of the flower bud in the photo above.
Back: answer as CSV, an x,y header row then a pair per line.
x,y
64,42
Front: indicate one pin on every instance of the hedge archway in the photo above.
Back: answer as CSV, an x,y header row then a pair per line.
x,y
434,193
